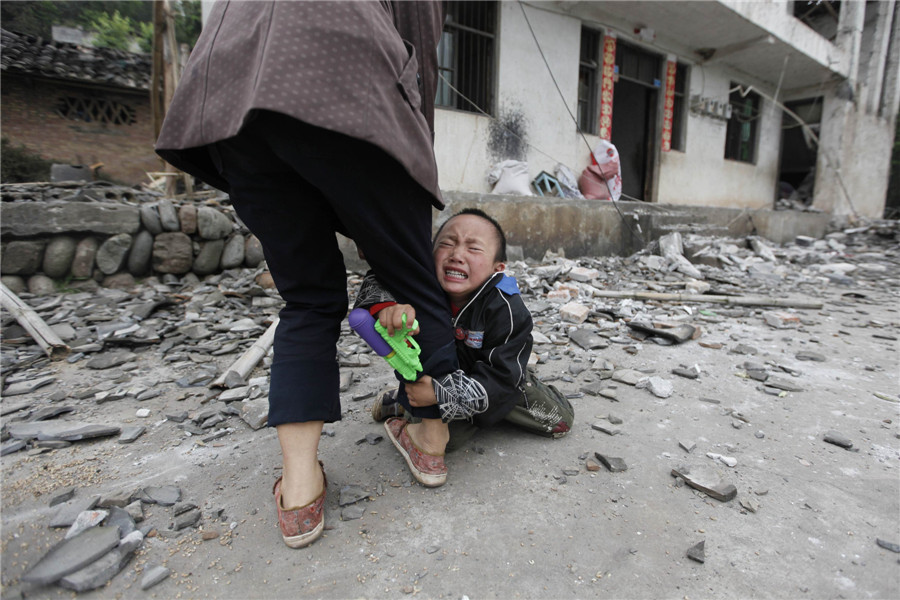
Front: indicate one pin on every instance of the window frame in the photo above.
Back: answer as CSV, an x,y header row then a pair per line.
x,y
477,86
737,148
591,67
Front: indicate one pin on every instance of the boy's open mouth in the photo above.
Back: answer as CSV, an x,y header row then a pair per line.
x,y
454,274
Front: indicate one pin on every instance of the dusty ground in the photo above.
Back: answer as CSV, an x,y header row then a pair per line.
x,y
509,524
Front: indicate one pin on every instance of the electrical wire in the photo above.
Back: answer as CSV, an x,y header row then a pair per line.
x,y
575,120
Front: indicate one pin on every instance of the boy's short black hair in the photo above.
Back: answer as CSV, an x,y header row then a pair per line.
x,y
500,256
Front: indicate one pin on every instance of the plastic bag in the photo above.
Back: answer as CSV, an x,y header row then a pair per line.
x,y
567,181
603,179
510,177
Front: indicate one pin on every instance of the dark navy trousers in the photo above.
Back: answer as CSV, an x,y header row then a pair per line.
x,y
294,186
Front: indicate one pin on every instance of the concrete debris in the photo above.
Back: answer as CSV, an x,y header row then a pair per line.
x,y
728,461
72,554
614,464
157,346
697,552
351,494
833,437
706,480
154,575
86,520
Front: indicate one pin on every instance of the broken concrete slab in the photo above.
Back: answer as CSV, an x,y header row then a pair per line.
x,y
706,480
69,511
165,495
153,576
782,384
72,554
697,552
27,386
573,312
255,412
678,334
353,512
587,339
750,504
613,463
729,461
70,431
604,429
99,572
838,439
62,495
187,519
130,434
351,494
86,520
627,376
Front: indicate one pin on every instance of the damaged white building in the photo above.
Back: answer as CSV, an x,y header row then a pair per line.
x,y
724,104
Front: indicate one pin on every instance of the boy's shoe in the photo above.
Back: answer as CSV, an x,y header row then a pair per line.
x,y
301,526
386,405
428,469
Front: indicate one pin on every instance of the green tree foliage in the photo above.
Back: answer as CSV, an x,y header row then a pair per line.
x,y
37,17
188,22
145,36
113,31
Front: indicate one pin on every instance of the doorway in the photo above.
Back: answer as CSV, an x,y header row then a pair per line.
x,y
797,171
635,107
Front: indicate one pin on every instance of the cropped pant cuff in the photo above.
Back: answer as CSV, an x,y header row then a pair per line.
x,y
304,390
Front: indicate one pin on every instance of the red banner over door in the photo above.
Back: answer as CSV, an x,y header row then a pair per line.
x,y
606,86
669,107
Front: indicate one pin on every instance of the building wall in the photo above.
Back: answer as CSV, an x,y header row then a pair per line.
x,y
526,101
701,176
528,98
30,117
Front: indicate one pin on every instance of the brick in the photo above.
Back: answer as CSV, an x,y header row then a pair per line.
x,y
573,312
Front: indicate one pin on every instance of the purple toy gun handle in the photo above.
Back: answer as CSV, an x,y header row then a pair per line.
x,y
364,324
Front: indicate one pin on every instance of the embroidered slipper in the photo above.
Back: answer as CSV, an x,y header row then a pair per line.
x,y
303,525
428,469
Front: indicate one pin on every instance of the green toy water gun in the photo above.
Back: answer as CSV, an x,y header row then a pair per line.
x,y
400,350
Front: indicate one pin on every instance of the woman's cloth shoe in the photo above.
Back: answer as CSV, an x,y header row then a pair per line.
x,y
301,526
428,469
386,406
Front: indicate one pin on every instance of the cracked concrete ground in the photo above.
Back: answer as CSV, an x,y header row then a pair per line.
x,y
509,523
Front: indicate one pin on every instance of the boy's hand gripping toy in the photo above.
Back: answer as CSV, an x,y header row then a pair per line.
x,y
399,350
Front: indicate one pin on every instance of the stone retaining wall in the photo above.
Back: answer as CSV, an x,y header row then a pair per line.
x,y
111,235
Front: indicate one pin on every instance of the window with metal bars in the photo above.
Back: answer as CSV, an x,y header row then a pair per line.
x,y
466,57
743,126
95,110
679,111
588,80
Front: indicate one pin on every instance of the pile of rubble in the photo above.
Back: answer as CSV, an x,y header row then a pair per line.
x,y
184,333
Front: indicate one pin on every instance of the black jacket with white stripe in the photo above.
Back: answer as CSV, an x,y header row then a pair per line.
x,y
493,340
493,343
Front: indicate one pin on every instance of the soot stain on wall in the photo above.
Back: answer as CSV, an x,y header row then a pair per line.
x,y
508,135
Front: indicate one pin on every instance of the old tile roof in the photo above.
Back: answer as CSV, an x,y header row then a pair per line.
x,y
28,55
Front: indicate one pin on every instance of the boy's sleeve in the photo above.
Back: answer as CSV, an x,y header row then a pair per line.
x,y
372,296
504,358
